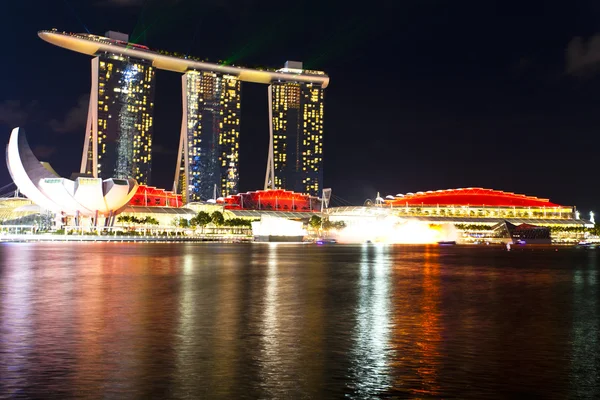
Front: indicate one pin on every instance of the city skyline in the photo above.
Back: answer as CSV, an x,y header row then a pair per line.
x,y
118,138
423,96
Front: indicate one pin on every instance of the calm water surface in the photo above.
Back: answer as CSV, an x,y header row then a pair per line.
x,y
297,321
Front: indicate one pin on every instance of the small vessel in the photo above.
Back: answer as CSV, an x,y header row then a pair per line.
x,y
325,241
447,242
278,238
584,244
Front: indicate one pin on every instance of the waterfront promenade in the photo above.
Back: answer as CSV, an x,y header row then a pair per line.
x,y
121,239
28,235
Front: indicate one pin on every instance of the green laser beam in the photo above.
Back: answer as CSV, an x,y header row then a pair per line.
x,y
350,35
160,17
269,34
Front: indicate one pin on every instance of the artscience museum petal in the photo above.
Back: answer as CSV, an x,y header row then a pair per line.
x,y
85,196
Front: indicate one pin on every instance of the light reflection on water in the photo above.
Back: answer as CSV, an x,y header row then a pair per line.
x,y
371,349
585,368
291,321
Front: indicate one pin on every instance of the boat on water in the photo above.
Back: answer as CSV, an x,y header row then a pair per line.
x,y
325,241
447,242
584,244
278,238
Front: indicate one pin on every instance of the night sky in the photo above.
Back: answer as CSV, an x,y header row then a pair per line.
x,y
424,94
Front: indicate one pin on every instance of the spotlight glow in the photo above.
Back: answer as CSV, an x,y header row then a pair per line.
x,y
394,230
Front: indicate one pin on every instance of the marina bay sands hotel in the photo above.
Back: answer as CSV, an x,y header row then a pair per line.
x,y
118,141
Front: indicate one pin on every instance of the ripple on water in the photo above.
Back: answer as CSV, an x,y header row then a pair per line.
x,y
297,321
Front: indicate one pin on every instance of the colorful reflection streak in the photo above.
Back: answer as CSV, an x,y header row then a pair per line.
x,y
585,360
297,321
372,352
429,336
416,336
292,322
16,321
394,230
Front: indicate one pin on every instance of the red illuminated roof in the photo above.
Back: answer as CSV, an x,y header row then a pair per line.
x,y
275,199
270,194
150,196
469,197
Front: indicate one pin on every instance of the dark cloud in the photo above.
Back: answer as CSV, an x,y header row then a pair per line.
x,y
583,58
138,3
13,113
153,3
121,3
75,118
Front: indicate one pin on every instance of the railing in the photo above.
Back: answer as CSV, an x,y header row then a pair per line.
x,y
48,237
119,233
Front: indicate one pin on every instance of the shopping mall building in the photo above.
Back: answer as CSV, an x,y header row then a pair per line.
x,y
477,214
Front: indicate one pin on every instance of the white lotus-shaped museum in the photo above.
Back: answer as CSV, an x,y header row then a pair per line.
x,y
83,196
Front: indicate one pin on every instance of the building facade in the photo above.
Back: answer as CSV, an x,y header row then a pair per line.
x,y
119,133
83,196
297,135
272,200
208,159
120,119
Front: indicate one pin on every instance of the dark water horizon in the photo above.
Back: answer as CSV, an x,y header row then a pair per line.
x,y
187,321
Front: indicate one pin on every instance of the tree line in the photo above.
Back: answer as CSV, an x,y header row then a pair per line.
x,y
553,228
216,218
130,219
318,223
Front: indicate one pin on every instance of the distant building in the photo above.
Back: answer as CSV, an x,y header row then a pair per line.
x,y
476,203
271,200
523,233
89,197
150,196
296,151
120,118
209,144
465,215
119,133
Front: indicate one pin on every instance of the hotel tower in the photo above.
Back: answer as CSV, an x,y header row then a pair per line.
x,y
118,141
208,156
296,150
